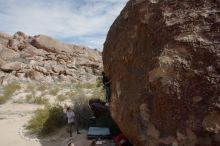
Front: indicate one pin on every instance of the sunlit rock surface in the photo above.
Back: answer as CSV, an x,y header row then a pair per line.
x,y
41,58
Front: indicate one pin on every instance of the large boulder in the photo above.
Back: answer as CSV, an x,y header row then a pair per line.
x,y
34,75
4,38
58,69
163,60
12,66
8,54
32,51
20,36
41,69
49,44
2,62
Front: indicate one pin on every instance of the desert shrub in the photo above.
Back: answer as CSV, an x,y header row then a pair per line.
x,y
47,120
8,91
42,87
78,93
73,81
99,82
41,100
85,86
30,87
89,85
54,91
36,124
61,98
70,94
3,99
98,93
30,98
97,90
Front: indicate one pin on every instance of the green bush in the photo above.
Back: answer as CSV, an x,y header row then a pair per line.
x,y
47,120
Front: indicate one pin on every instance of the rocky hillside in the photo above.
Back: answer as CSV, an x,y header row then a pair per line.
x,y
42,58
163,58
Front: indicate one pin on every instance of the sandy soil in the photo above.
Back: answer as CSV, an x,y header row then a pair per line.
x,y
12,118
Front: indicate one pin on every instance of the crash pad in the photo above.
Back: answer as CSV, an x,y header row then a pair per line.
x,y
98,133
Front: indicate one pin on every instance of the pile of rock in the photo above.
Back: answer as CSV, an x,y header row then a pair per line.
x,y
41,58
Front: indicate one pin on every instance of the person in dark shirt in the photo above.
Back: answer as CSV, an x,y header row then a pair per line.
x,y
106,83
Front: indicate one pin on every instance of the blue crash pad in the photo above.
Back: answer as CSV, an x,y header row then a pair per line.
x,y
98,132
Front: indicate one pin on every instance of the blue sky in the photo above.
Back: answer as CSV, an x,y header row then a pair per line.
x,y
83,22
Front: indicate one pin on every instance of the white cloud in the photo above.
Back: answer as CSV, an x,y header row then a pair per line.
x,y
62,19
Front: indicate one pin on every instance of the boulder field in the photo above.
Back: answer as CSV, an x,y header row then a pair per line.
x,y
41,58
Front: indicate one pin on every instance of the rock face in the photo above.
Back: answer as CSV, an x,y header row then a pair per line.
x,y
163,58
42,58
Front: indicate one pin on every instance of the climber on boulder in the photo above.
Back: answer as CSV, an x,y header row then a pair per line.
x,y
106,83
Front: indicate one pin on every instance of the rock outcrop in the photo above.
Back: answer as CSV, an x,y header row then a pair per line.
x,y
42,58
163,58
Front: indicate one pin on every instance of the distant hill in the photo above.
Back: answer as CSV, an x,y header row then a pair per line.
x,y
41,58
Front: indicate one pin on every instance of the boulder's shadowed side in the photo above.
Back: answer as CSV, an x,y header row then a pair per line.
x,y
163,58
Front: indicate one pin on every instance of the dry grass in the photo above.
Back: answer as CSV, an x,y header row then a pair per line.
x,y
32,99
61,98
42,87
